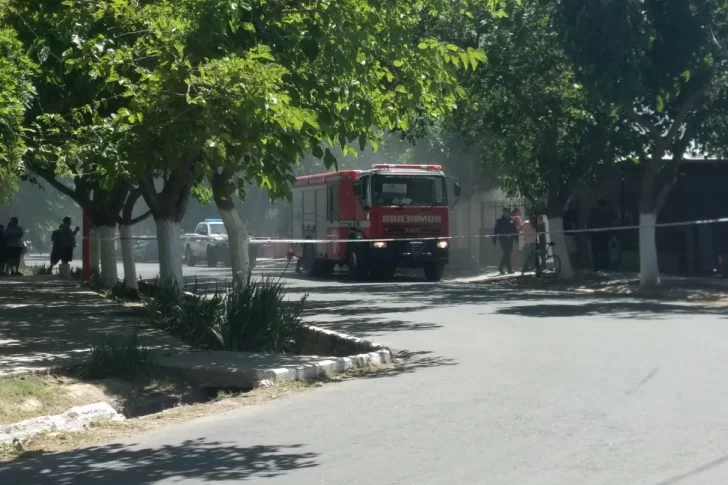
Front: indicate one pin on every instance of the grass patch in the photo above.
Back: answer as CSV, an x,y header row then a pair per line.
x,y
106,431
34,270
29,396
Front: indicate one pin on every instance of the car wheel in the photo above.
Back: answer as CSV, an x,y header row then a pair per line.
x,y
189,257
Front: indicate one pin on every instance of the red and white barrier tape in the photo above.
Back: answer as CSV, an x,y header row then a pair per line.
x,y
443,238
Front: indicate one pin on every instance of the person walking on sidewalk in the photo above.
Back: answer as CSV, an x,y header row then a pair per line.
x,y
55,249
505,232
13,246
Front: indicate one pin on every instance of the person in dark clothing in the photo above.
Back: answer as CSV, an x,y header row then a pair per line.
x,y
505,233
13,246
64,241
600,218
55,250
67,240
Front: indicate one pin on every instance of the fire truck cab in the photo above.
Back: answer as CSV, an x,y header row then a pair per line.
x,y
407,205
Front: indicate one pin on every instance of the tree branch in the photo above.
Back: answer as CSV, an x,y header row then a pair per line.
x,y
685,107
50,177
138,219
146,187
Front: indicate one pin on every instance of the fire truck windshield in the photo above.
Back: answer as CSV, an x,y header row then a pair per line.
x,y
409,190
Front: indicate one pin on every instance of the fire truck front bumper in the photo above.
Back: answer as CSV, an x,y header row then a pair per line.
x,y
409,253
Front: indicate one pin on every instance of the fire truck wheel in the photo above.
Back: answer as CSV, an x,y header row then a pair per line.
x,y
323,268
434,271
383,272
358,269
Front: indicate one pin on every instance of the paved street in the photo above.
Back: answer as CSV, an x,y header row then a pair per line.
x,y
498,387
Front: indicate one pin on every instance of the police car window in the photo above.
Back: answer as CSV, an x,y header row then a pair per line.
x,y
201,229
217,229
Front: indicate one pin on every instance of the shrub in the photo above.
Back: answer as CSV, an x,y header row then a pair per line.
x,y
258,319
190,316
121,357
253,317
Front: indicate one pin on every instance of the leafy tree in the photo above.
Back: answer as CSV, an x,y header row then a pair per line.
x,y
72,124
16,92
541,130
663,61
240,92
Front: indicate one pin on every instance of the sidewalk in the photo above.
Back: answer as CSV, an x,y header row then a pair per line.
x,y
46,322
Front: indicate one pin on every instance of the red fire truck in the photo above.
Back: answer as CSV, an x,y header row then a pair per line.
x,y
405,202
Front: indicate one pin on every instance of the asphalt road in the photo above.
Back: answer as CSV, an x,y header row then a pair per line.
x,y
499,387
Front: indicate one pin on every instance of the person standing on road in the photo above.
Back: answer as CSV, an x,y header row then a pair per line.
x,y
66,240
13,246
55,250
505,232
518,223
530,235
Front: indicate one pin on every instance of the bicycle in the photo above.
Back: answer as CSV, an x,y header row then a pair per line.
x,y
550,263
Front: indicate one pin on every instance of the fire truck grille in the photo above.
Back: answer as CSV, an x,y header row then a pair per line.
x,y
416,248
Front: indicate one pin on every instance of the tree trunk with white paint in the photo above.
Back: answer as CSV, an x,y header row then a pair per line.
x,y
170,253
561,250
649,269
107,239
238,240
127,256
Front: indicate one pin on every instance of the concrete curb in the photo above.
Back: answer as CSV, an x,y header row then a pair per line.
x,y
316,369
74,419
378,355
248,370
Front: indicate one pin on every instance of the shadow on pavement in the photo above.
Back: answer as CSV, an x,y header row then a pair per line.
x,y
367,327
46,322
641,310
198,460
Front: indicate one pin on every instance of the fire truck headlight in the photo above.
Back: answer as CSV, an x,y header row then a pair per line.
x,y
379,244
442,244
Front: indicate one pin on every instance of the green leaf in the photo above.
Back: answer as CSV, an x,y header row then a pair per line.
x,y
398,63
660,104
317,151
423,45
465,59
362,142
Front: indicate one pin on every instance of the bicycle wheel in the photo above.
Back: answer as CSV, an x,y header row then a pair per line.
x,y
551,268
